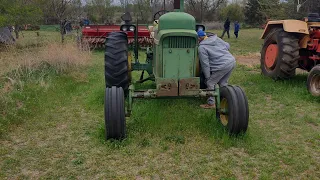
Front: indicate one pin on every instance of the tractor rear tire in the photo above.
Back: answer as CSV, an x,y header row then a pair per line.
x,y
116,60
313,81
280,55
233,100
114,113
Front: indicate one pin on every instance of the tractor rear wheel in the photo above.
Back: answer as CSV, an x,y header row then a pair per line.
x,y
116,60
114,113
280,55
313,81
234,111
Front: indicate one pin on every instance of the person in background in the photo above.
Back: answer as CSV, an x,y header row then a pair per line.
x,y
216,63
63,26
86,22
236,29
226,28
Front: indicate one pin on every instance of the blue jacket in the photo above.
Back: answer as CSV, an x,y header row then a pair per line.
x,y
214,55
236,27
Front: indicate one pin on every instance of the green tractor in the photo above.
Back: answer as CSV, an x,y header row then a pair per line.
x,y
172,62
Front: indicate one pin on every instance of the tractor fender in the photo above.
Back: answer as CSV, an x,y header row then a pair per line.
x,y
292,26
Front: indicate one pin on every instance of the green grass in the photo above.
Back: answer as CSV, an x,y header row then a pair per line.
x,y
51,28
248,41
61,132
31,39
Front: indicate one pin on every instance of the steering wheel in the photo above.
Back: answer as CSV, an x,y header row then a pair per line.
x,y
159,13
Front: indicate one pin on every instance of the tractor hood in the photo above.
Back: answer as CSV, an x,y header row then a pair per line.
x,y
177,20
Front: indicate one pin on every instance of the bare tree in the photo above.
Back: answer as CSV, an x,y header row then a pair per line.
x,y
60,10
142,10
101,11
203,9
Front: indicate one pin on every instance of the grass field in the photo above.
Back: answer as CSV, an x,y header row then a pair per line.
x,y
58,130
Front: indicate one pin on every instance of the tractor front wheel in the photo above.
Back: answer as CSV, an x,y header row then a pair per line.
x,y
280,55
313,81
234,110
114,113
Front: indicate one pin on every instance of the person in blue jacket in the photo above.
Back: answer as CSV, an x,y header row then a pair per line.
x,y
216,63
236,29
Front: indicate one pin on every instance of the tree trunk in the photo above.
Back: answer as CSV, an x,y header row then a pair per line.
x,y
16,31
62,31
62,36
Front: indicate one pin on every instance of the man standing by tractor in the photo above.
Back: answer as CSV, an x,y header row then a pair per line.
x,y
216,62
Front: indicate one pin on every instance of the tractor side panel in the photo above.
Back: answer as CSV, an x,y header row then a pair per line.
x,y
295,26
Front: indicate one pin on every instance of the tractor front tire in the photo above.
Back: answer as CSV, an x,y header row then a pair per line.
x,y
313,81
116,60
243,109
234,110
114,113
280,55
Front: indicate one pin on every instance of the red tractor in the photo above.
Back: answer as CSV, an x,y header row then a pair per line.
x,y
291,44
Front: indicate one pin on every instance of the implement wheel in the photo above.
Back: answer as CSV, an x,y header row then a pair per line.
x,y
116,61
234,111
280,54
313,81
114,113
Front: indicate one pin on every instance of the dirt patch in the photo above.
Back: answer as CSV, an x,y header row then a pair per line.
x,y
250,60
253,60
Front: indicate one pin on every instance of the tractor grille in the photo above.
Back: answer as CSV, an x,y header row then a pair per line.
x,y
179,42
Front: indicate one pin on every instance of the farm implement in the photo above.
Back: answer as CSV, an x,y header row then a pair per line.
x,y
95,35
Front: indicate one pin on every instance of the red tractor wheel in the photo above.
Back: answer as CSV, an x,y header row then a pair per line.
x,y
314,81
280,54
271,56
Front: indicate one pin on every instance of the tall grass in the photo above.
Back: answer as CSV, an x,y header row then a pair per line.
x,y
23,67
60,57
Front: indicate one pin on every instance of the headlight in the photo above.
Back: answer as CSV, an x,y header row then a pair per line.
x,y
124,28
132,28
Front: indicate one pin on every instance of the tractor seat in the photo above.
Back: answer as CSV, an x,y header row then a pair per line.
x,y
313,17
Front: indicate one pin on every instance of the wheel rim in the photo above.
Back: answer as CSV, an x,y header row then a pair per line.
x,y
315,85
223,108
271,56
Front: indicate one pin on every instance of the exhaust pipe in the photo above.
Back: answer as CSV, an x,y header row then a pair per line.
x,y
178,5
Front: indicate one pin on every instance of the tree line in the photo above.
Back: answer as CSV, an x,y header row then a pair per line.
x,y
251,12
